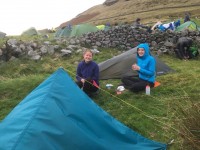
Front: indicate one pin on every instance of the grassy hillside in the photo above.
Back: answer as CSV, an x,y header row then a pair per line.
x,y
160,116
149,11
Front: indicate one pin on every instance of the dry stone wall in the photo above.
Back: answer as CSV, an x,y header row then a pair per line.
x,y
122,37
126,37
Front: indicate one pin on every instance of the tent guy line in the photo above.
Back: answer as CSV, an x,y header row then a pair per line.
x,y
136,108
139,110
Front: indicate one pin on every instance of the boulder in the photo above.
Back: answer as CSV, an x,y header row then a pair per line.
x,y
110,2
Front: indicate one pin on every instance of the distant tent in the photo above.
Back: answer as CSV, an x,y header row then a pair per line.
x,y
66,32
58,31
107,28
2,34
58,115
190,25
45,31
80,29
76,30
30,32
63,32
101,27
120,66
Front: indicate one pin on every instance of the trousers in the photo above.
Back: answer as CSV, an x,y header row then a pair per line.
x,y
135,84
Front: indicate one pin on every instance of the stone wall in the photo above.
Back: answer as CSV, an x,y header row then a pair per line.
x,y
126,37
122,37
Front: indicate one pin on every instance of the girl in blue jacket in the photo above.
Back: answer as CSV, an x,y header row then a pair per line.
x,y
146,67
87,74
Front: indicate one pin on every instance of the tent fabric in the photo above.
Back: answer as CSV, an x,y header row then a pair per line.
x,y
65,32
80,29
30,32
101,27
58,115
120,66
76,30
58,32
190,25
2,34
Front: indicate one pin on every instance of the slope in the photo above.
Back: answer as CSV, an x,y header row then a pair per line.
x,y
149,10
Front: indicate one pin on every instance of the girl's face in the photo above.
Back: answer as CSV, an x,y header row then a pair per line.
x,y
87,56
141,52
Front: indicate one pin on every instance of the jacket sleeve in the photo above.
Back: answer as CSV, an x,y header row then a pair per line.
x,y
96,73
150,70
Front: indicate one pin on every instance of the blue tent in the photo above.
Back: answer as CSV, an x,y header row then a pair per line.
x,y
57,115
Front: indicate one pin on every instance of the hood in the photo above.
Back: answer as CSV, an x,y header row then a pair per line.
x,y
146,48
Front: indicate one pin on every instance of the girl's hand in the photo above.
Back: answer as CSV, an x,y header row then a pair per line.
x,y
135,67
83,80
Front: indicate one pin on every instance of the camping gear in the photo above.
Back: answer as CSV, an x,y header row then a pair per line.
x,y
120,89
104,27
120,66
189,25
30,32
108,86
2,35
101,27
58,115
193,51
81,29
156,84
76,30
147,90
63,32
58,31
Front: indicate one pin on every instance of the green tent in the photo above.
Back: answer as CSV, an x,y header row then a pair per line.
x,y
57,33
76,30
107,28
101,27
80,29
190,25
2,34
63,32
30,32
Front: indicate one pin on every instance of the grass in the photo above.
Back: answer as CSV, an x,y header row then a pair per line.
x,y
158,116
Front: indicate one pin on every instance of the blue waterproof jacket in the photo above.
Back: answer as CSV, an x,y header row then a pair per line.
x,y
147,64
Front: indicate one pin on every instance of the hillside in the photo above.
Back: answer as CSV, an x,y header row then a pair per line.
x,y
128,10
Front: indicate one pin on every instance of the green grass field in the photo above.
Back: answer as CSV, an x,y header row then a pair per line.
x,y
159,116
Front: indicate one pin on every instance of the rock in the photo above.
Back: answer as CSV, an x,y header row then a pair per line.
x,y
95,51
47,43
65,52
43,50
12,42
50,49
32,53
35,57
168,44
110,2
1,52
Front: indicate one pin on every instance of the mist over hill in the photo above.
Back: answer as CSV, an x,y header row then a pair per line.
x,y
126,11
